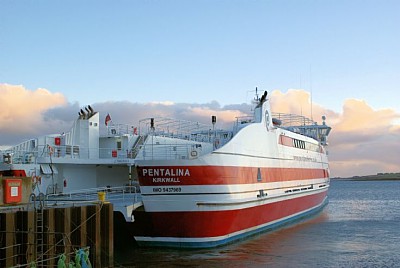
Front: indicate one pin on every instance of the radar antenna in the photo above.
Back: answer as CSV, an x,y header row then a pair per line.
x,y
257,98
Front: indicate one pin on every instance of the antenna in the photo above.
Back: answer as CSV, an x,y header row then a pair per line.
x,y
300,82
257,98
253,100
311,95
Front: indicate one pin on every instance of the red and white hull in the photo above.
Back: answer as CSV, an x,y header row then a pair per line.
x,y
208,228
260,178
205,206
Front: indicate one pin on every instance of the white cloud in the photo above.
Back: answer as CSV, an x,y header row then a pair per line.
x,y
166,103
363,140
22,109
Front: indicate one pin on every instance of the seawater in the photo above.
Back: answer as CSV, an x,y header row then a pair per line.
x,y
360,227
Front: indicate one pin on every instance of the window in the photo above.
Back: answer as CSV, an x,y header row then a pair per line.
x,y
266,119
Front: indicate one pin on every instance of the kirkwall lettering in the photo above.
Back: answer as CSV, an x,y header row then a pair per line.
x,y
176,180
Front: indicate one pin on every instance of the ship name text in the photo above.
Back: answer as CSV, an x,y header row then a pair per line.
x,y
166,172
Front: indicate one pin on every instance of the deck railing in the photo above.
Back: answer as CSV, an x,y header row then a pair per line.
x,y
174,151
293,120
56,152
112,194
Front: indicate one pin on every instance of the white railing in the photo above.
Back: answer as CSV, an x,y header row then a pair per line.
x,y
120,129
112,194
287,120
67,152
174,128
174,151
293,120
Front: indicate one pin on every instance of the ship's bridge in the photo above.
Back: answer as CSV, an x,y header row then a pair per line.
x,y
303,125
292,122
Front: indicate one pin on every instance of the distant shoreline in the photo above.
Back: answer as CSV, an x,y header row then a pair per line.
x,y
378,177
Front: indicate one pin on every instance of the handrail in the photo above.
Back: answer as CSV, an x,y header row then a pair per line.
x,y
186,150
171,127
62,151
112,193
290,120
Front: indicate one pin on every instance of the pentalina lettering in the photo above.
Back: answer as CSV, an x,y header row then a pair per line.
x,y
166,172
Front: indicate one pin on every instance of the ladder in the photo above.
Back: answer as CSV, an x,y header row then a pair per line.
x,y
136,147
39,232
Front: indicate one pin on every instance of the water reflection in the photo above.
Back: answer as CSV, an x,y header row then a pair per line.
x,y
358,228
258,250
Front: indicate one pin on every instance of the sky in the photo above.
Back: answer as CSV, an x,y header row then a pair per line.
x,y
190,59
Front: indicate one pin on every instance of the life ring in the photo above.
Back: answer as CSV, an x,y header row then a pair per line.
x,y
37,179
193,153
50,149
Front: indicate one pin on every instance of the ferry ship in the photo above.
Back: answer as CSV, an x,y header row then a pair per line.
x,y
204,187
180,183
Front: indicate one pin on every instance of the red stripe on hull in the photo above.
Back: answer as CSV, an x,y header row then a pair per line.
x,y
218,223
219,175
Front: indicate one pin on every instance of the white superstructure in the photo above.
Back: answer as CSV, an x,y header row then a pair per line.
x,y
79,159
